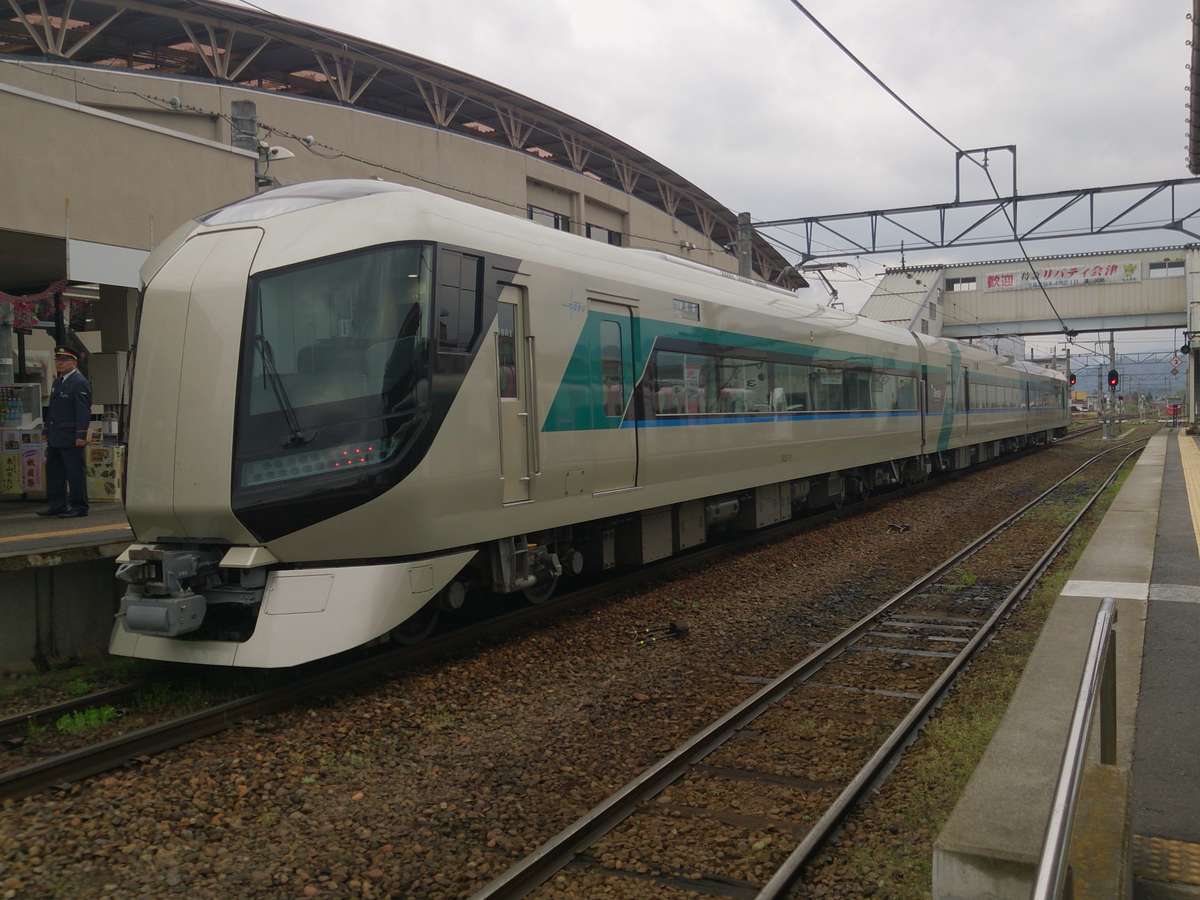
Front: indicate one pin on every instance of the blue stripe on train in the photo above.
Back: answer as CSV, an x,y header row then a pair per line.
x,y
751,419
725,419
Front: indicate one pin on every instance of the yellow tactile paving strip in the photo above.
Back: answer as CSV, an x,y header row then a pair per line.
x,y
1161,859
1189,456
91,529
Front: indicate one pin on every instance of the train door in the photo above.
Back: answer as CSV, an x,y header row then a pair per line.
x,y
966,400
614,431
514,390
923,407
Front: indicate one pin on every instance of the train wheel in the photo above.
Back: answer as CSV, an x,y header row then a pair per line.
x,y
417,627
541,592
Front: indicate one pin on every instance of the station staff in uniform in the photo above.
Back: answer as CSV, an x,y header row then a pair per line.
x,y
66,434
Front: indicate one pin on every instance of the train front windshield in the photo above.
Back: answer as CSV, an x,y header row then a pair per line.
x,y
334,366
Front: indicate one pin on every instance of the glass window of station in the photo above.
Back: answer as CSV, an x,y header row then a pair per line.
x,y
549,218
1166,268
604,235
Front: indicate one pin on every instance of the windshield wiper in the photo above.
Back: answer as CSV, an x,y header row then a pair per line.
x,y
297,437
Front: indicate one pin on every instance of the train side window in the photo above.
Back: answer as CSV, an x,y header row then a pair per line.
x,y
506,349
883,391
935,392
612,371
826,388
684,383
791,387
906,392
856,388
744,385
458,301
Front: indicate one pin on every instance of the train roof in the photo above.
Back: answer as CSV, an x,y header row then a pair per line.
x,y
657,270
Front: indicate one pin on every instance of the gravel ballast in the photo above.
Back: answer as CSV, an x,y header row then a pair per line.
x,y
431,783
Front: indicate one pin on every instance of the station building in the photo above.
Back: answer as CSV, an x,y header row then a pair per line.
x,y
128,117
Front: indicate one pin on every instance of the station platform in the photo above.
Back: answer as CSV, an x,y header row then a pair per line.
x,y
1165,808
1137,829
29,540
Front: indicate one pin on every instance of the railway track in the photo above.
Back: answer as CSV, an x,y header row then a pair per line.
x,y
727,785
322,679
1070,436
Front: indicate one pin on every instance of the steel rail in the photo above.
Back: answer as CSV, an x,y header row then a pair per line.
x,y
540,865
1091,429
116,751
1052,868
783,879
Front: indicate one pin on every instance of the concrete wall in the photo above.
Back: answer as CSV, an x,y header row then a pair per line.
x,y
487,173
53,614
94,176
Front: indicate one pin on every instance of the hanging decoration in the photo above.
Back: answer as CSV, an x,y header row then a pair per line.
x,y
26,310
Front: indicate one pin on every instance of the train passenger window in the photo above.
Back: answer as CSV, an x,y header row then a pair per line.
x,y
790,393
612,371
506,349
883,391
744,386
827,388
684,383
935,392
856,387
459,277
906,392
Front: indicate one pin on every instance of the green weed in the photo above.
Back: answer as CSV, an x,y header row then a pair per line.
x,y
78,687
85,719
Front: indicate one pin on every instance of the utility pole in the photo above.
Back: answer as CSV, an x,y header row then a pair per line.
x,y
745,245
1109,433
1070,390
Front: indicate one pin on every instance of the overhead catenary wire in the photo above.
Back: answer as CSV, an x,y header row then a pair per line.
x,y
982,164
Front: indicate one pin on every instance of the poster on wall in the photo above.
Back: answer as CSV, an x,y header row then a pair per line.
x,y
1061,276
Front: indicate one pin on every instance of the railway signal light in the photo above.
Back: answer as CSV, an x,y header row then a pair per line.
x,y
1073,379
1114,378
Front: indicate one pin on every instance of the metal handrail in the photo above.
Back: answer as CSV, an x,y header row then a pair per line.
x,y
1099,677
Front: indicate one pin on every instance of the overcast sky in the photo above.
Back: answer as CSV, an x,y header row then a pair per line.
x,y
749,101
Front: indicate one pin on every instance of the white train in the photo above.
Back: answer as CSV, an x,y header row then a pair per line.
x,y
355,403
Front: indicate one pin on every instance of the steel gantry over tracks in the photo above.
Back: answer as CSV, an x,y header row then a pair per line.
x,y
963,223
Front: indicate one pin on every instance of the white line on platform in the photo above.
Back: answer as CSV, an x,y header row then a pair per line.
x,y
1175,593
1118,590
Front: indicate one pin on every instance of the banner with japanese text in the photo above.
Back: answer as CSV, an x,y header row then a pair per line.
x,y
1064,276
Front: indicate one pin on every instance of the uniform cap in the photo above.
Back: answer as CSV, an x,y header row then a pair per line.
x,y
66,352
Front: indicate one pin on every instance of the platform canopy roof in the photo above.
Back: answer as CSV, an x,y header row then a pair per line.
x,y
233,43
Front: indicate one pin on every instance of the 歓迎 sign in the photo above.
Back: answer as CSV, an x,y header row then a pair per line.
x,y
1064,276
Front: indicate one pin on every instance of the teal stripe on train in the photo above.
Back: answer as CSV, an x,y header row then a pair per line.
x,y
577,407
948,408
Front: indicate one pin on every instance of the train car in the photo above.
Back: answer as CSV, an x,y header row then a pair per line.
x,y
355,403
